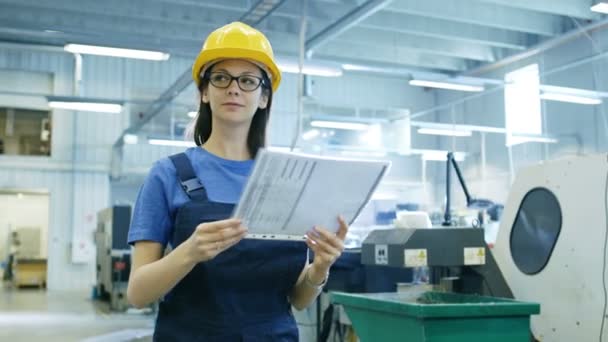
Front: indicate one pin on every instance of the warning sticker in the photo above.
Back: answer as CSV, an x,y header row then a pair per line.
x,y
381,254
415,257
474,256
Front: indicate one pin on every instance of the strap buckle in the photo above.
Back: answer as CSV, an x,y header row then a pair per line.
x,y
192,184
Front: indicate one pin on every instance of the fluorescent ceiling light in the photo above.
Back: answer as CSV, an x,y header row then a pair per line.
x,y
372,137
192,114
379,196
87,106
116,52
570,98
439,155
458,127
524,139
447,132
130,139
363,153
355,126
311,134
446,85
164,142
84,104
601,7
354,67
313,68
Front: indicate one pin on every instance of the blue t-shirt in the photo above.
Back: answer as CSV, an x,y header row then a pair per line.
x,y
161,194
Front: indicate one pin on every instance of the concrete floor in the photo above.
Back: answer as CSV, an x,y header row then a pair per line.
x,y
40,315
33,314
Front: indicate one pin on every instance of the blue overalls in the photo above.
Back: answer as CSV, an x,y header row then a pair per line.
x,y
241,294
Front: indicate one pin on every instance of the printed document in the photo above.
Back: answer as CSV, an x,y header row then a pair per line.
x,y
289,193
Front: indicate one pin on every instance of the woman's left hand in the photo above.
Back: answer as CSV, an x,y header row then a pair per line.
x,y
327,247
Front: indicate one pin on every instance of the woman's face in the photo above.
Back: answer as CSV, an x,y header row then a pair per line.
x,y
233,104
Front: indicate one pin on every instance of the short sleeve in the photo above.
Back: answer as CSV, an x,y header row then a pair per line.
x,y
152,212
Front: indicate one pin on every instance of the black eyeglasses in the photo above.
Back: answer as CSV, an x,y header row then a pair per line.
x,y
223,80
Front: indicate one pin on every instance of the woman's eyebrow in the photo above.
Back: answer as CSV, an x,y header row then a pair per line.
x,y
243,73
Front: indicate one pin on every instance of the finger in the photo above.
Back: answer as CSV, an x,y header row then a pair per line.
x,y
233,241
219,225
343,228
329,237
320,256
313,246
226,244
324,246
225,234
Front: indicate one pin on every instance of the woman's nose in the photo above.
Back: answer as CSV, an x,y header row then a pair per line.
x,y
233,88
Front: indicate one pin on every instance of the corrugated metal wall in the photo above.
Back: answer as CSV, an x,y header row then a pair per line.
x,y
76,175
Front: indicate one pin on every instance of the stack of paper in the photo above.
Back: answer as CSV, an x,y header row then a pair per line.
x,y
288,193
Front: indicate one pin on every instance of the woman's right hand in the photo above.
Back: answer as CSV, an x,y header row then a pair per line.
x,y
211,238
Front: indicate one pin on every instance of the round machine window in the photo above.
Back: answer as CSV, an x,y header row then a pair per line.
x,y
535,230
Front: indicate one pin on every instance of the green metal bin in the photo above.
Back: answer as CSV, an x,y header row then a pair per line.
x,y
436,317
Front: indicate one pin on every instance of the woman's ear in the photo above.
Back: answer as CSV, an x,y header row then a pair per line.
x,y
263,100
204,96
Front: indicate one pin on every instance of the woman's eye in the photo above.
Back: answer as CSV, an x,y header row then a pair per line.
x,y
248,80
220,78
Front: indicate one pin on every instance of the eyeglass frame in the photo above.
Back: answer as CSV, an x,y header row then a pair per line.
x,y
232,78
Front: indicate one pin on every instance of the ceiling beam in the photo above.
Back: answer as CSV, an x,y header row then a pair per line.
x,y
485,14
185,40
125,12
577,9
446,29
430,45
540,48
347,21
180,22
23,31
400,55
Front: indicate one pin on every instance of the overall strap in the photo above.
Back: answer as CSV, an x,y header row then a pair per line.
x,y
190,183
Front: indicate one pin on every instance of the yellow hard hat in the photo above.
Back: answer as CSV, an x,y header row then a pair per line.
x,y
238,40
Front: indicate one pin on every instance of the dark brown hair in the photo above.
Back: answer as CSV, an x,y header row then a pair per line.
x,y
256,137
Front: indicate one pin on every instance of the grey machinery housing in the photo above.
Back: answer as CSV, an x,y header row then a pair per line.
x,y
444,249
113,255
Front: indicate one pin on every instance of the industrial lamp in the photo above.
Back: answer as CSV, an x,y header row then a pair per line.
x,y
473,203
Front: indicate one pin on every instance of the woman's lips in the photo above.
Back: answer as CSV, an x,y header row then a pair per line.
x,y
232,104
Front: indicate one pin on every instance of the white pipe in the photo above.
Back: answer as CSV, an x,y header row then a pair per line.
x,y
300,88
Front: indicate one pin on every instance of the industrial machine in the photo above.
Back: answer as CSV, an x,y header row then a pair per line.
x,y
550,249
551,246
113,255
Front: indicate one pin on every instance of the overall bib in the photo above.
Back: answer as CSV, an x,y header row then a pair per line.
x,y
241,294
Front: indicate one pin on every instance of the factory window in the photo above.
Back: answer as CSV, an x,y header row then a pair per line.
x,y
522,104
535,231
25,132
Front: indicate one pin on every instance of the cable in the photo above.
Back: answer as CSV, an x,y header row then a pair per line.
x,y
487,285
604,265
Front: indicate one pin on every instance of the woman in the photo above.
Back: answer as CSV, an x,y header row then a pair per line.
x,y
215,285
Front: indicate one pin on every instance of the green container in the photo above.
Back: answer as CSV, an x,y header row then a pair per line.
x,y
436,317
